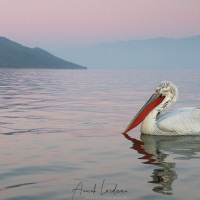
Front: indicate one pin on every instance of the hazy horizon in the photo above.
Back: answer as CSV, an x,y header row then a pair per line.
x,y
134,54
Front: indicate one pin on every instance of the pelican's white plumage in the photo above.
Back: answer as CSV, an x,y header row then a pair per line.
x,y
156,121
181,121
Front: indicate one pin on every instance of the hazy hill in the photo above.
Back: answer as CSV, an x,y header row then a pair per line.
x,y
156,53
15,55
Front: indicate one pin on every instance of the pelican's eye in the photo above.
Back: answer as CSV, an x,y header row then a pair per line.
x,y
157,91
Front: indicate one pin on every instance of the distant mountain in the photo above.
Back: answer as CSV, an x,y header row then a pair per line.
x,y
153,53
14,55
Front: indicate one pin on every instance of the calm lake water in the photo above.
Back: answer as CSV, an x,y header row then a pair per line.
x,y
60,137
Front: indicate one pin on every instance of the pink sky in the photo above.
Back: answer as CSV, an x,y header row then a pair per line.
x,y
57,24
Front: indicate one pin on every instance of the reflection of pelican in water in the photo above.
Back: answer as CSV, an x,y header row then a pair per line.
x,y
156,149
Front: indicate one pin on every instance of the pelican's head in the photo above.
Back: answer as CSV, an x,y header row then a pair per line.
x,y
165,94
167,90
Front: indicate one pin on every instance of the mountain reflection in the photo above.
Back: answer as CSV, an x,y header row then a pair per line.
x,y
156,149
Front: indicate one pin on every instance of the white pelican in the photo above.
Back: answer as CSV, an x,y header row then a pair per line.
x,y
181,121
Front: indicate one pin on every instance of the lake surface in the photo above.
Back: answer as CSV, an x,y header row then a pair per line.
x,y
60,136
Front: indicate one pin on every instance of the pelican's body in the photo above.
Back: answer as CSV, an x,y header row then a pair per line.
x,y
156,121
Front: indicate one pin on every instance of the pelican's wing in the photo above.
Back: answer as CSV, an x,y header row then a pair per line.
x,y
182,121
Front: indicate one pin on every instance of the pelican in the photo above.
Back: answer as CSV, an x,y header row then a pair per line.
x,y
156,121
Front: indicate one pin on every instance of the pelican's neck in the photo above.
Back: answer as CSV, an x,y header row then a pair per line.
x,y
149,125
